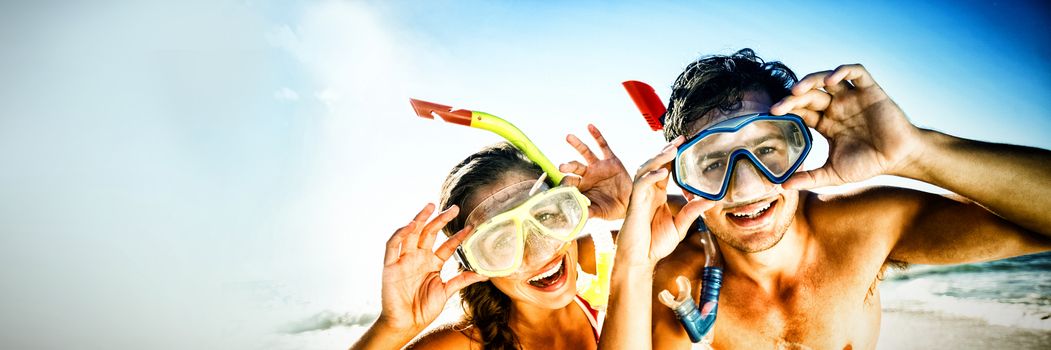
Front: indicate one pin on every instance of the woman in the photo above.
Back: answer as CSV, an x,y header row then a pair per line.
x,y
533,306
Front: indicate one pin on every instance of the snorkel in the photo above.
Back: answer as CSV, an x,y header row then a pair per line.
x,y
486,121
597,292
698,323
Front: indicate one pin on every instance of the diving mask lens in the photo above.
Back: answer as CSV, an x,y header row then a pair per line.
x,y
559,213
499,244
776,145
540,226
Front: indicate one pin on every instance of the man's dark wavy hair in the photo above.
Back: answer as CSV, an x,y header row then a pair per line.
x,y
719,82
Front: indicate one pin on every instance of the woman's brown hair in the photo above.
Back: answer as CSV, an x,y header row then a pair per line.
x,y
486,307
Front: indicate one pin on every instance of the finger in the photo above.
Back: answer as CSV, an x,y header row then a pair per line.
x,y
432,228
839,87
803,180
462,280
664,157
446,249
689,213
854,73
650,179
644,199
572,180
394,243
811,118
573,167
602,144
582,149
814,99
412,240
810,82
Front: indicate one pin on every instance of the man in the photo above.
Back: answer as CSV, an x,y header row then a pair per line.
x,y
802,269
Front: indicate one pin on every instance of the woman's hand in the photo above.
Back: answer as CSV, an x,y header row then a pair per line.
x,y
651,228
604,181
413,293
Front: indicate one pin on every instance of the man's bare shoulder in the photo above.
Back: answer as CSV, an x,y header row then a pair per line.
x,y
862,225
871,207
450,336
865,198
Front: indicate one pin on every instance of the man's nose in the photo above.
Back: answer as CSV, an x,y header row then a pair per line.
x,y
747,183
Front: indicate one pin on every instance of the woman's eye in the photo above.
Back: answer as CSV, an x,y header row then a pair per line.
x,y
497,241
549,218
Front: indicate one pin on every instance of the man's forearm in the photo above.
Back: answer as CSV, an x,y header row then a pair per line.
x,y
629,319
1013,182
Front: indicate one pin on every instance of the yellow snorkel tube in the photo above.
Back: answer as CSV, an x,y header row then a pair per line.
x,y
486,121
597,293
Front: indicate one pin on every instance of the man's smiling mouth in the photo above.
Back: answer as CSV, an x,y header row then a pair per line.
x,y
753,215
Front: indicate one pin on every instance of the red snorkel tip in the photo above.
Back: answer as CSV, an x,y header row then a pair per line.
x,y
647,101
430,109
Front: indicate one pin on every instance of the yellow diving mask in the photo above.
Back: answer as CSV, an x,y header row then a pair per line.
x,y
538,228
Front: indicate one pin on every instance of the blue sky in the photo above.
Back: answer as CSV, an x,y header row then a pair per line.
x,y
165,160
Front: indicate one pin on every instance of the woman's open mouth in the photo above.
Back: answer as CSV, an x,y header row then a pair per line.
x,y
552,278
753,215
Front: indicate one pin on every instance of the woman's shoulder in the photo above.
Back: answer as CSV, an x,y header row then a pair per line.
x,y
458,335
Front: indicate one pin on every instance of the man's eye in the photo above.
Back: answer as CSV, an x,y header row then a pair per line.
x,y
713,166
766,150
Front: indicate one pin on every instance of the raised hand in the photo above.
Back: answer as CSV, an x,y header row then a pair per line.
x,y
868,133
604,181
413,292
651,230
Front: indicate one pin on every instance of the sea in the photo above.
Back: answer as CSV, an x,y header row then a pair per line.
x,y
1013,293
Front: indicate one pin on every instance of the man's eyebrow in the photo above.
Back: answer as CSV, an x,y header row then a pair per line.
x,y
764,139
724,153
715,154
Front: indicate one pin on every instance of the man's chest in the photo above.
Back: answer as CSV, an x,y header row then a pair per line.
x,y
820,311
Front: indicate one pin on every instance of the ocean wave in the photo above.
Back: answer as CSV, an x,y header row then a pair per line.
x,y
1027,263
927,295
326,320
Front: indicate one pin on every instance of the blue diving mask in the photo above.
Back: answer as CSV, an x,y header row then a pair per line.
x,y
775,145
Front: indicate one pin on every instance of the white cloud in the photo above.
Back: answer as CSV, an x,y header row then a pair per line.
x,y
328,96
286,95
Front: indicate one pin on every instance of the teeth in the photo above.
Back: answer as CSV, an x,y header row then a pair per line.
x,y
547,273
754,214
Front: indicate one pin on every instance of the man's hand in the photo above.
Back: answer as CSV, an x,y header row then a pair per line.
x,y
651,229
650,233
868,133
604,181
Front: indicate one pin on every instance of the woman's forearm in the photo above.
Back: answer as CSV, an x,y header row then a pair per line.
x,y
380,336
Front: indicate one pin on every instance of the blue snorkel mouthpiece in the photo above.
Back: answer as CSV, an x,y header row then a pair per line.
x,y
698,322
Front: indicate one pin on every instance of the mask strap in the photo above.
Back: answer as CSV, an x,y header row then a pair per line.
x,y
539,183
503,194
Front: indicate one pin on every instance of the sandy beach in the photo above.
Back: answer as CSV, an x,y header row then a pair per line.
x,y
921,330
901,330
